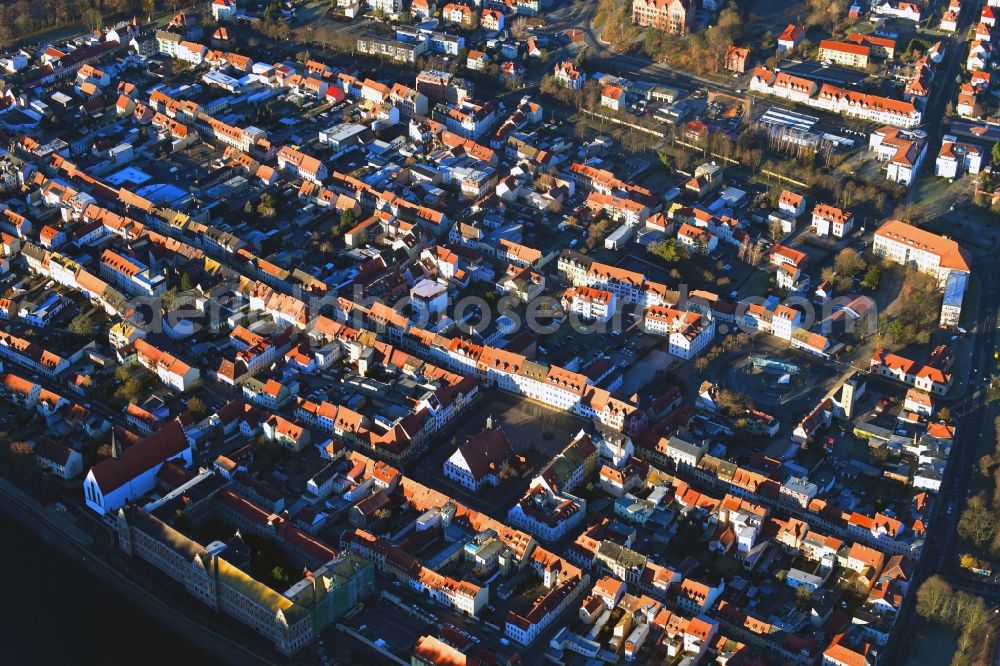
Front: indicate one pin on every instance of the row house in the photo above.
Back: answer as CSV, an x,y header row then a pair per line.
x,y
927,377
32,356
868,107
689,332
302,165
172,371
793,88
874,108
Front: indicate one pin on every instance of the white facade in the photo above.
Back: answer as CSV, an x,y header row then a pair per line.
x,y
956,158
688,332
190,52
785,321
929,253
105,501
831,221
591,304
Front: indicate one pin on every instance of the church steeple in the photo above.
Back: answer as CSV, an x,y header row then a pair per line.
x,y
116,447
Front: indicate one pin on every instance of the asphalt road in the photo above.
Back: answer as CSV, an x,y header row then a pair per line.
x,y
580,16
941,550
943,91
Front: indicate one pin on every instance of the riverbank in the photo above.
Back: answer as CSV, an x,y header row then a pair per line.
x,y
61,614
113,578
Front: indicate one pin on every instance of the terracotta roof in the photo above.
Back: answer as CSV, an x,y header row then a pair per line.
x,y
487,452
167,442
950,253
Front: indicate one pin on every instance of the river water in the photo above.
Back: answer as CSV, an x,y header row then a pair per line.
x,y
57,613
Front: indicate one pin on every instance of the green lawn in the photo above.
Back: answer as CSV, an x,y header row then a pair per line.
x,y
756,284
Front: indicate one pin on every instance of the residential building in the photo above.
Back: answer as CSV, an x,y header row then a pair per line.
x,y
791,203
302,165
829,220
672,16
391,49
58,459
736,58
844,53
688,332
546,515
790,37
696,239
172,371
611,97
957,158
902,152
568,75
590,304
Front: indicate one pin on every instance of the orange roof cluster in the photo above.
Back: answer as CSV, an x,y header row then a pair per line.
x,y
155,358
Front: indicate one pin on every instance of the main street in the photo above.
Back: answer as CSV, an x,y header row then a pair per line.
x,y
942,91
